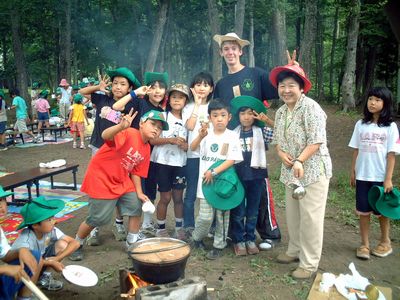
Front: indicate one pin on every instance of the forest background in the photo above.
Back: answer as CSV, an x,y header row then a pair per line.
x,y
346,46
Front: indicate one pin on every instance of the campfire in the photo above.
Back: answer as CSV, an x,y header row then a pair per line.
x,y
130,282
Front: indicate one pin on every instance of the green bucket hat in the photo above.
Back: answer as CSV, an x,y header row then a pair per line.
x,y
75,87
35,85
39,209
388,204
2,95
44,93
78,98
125,72
4,194
247,101
155,115
226,191
150,77
82,84
58,91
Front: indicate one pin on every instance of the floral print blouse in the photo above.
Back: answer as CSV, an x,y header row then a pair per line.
x,y
305,125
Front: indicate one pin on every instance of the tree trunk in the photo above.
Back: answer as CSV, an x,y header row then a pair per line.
x,y
319,56
239,17
158,33
361,65
65,41
332,63
19,56
299,21
215,29
279,33
347,89
308,40
252,61
369,74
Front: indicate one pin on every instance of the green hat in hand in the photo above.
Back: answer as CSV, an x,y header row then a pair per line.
x,y
387,204
38,210
226,191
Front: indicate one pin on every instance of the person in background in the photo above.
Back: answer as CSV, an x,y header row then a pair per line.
x,y
375,141
306,163
65,100
77,118
3,121
34,97
42,108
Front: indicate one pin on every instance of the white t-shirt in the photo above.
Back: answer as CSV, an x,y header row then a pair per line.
x,y
373,144
28,239
65,95
167,154
225,146
4,246
202,117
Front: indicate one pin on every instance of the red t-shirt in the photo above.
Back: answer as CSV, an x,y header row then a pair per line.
x,y
107,176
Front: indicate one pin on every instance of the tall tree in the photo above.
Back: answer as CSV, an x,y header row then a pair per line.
x,y
19,56
333,50
239,17
65,40
279,32
319,53
215,27
308,40
347,88
252,62
158,33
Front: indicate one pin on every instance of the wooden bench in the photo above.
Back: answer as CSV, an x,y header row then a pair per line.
x,y
32,176
53,130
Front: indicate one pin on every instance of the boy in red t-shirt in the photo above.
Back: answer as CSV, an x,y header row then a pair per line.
x,y
113,177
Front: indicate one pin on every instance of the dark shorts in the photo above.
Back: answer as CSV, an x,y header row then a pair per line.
x,y
43,116
3,127
170,178
362,204
8,286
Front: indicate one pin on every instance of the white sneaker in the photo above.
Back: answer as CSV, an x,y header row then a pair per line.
x,y
148,229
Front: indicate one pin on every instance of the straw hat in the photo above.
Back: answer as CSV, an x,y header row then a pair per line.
x,y
231,36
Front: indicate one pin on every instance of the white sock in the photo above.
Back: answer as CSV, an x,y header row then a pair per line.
x,y
81,241
132,237
147,218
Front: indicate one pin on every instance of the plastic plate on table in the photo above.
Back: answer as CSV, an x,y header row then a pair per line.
x,y
80,275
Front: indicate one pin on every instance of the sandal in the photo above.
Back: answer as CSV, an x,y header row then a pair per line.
x,y
382,250
363,252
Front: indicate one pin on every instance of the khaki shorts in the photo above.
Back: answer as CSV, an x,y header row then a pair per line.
x,y
20,125
101,211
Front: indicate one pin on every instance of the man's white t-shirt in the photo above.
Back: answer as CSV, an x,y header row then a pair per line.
x,y
168,154
373,144
202,116
225,146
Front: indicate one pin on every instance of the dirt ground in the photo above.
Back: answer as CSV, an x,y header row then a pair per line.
x,y
249,277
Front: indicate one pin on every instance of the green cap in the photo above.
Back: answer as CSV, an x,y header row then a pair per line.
x,y
78,98
3,193
44,93
150,77
226,191
125,72
247,101
39,209
155,115
58,91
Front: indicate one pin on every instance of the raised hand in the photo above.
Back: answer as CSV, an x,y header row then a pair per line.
x,y
143,90
104,83
292,59
196,97
126,120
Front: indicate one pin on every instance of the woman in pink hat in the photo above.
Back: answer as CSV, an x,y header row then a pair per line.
x,y
65,101
300,138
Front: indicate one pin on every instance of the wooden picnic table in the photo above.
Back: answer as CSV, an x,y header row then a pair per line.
x,y
32,176
53,130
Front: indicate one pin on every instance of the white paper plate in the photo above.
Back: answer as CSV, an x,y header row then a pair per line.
x,y
80,275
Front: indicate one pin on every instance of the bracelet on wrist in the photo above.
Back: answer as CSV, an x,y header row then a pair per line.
x,y
133,94
296,159
195,115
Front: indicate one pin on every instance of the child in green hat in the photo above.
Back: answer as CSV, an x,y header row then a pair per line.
x,y
122,81
42,107
150,97
18,263
76,120
113,177
40,234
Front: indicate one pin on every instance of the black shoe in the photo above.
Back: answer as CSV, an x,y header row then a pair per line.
x,y
214,254
77,255
198,245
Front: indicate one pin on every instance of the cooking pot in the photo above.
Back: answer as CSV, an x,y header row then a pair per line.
x,y
160,260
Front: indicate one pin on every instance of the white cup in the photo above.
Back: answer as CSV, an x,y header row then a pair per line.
x,y
148,207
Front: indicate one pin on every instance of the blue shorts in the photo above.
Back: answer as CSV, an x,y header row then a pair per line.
x,y
3,127
362,204
8,286
170,178
43,116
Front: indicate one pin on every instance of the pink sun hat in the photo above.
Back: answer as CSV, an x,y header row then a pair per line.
x,y
64,82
